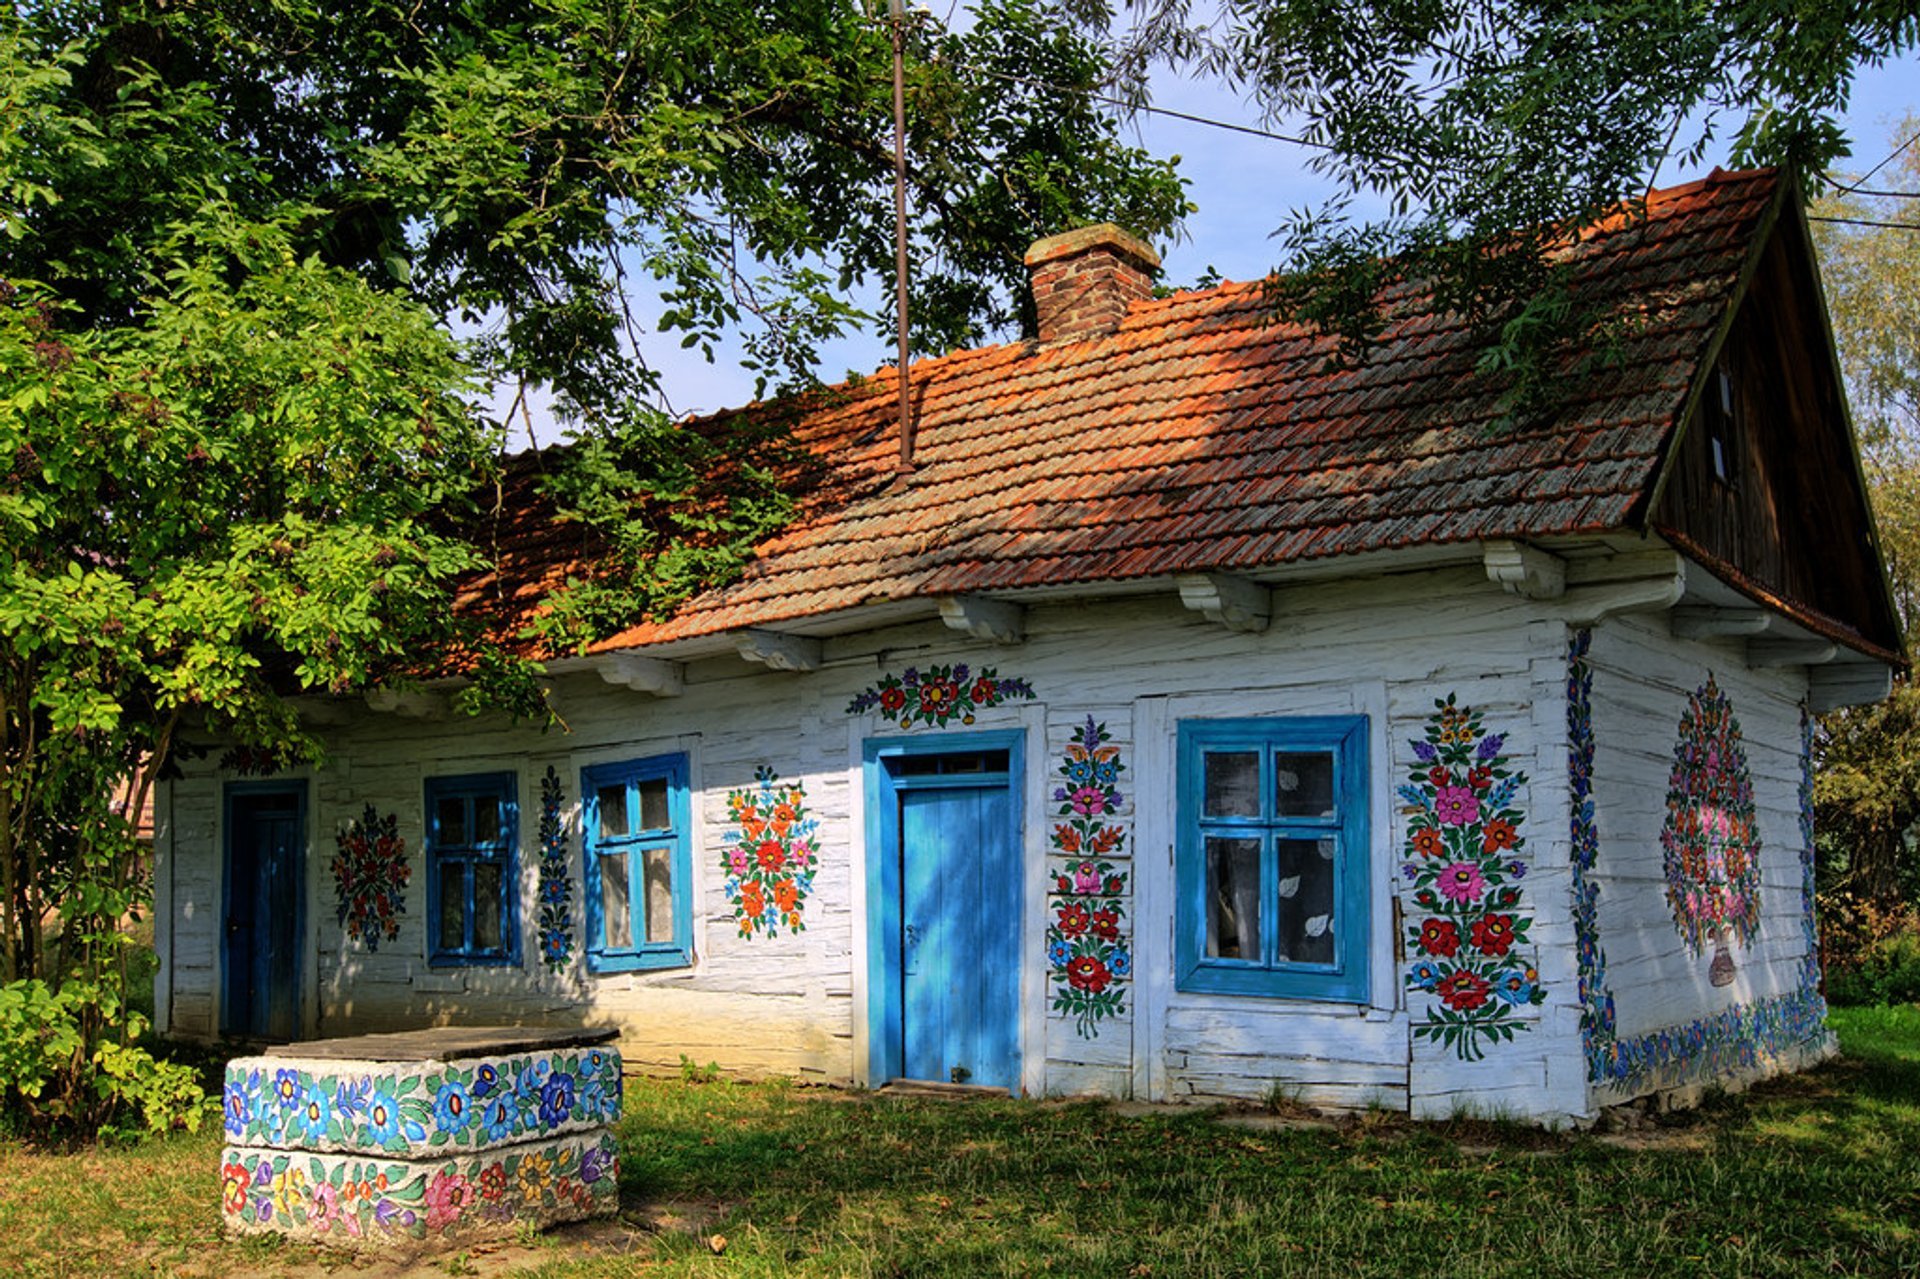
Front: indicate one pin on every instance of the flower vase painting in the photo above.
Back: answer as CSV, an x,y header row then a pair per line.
x,y
1710,842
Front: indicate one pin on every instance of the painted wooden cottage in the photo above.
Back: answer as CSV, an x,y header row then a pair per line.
x,y
1194,719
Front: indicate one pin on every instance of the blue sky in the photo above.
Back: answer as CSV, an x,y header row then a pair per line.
x,y
1244,187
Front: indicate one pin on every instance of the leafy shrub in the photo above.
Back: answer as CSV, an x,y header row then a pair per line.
x,y
1872,956
48,1077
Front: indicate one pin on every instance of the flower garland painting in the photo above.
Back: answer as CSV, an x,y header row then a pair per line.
x,y
770,857
1598,1033
1463,842
1711,839
938,695
556,885
1087,958
370,874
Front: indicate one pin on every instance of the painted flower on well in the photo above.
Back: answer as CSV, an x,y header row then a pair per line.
x,y
1462,882
452,1107
536,1174
448,1195
556,1099
233,1187
286,1088
383,1119
237,1108
310,1121
485,1079
1439,937
493,1181
596,1163
1456,806
500,1118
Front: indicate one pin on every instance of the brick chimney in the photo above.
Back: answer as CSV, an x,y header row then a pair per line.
x,y
1084,280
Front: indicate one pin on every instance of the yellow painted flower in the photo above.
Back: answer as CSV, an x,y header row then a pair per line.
x,y
536,1174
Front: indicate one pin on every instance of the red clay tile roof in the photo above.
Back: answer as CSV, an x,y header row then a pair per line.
x,y
1201,436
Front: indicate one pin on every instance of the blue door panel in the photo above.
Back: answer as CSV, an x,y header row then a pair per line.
x,y
260,946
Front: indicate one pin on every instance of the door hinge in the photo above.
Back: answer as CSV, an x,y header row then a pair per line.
x,y
1399,934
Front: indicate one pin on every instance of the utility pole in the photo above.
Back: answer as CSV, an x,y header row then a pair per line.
x,y
897,20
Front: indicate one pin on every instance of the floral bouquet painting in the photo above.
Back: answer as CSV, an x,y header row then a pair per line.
x,y
1087,954
770,856
370,873
1711,839
1463,861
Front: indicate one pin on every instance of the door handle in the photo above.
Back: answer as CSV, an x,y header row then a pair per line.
x,y
912,932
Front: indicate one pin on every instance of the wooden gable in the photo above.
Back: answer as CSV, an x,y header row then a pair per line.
x,y
1763,483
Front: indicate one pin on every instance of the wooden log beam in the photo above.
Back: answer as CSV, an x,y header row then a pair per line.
x,y
983,618
642,674
1718,623
1525,570
1838,684
419,704
778,650
1762,653
1233,602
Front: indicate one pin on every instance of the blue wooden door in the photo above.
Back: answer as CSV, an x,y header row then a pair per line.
x,y
959,928
266,831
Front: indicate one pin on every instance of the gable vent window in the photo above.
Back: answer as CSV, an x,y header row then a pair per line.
x,y
1723,428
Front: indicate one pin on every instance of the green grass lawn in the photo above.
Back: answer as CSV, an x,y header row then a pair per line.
x,y
1818,1175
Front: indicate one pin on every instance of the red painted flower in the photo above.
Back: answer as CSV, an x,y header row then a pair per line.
x,y
1073,919
786,895
1499,834
936,696
1438,775
493,1182
983,691
1106,925
1086,972
1439,937
1493,935
1480,778
1427,842
892,699
1463,990
752,899
771,855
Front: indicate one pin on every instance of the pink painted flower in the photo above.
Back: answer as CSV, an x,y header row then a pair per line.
x,y
1086,878
1456,806
448,1195
1089,801
737,859
1462,882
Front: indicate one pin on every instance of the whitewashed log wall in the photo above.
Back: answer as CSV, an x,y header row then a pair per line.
x,y
1384,647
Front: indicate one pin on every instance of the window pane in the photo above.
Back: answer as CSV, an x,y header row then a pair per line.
x,y
1233,784
658,864
613,901
1233,898
486,907
453,897
1306,900
612,801
486,820
653,805
453,820
1303,784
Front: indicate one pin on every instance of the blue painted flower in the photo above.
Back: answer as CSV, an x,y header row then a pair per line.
x,y
286,1088
452,1108
1517,869
554,945
500,1117
1515,988
1424,752
383,1119
310,1120
1058,953
556,1099
238,1109
1490,746
1119,963
1423,975
1409,870
485,1079
350,1099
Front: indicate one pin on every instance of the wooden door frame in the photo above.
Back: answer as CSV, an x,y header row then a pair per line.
x,y
230,791
883,887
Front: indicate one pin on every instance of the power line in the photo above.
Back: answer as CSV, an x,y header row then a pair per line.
x,y
1876,168
1090,95
1887,195
1893,226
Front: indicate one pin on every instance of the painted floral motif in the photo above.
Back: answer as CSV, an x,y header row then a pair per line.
x,y
769,861
1464,841
409,1114
1711,839
938,695
359,1199
370,874
556,884
1735,1039
1087,953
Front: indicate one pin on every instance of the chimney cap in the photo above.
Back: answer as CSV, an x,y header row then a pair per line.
x,y
1104,235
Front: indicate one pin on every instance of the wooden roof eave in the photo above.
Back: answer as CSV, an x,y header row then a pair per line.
x,y
1641,516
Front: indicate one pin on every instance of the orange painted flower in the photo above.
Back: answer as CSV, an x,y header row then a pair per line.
x,y
1498,834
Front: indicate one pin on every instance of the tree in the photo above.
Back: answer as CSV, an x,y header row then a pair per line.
x,y
1867,791
238,441
1494,132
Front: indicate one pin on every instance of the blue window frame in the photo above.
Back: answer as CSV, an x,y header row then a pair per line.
x,y
639,865
1271,857
473,830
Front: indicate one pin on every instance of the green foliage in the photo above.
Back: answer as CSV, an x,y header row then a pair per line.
x,y
1867,791
1492,134
53,1075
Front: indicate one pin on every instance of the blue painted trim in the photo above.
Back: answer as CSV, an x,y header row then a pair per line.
x,y
884,986
229,792
503,788
677,836
1346,979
